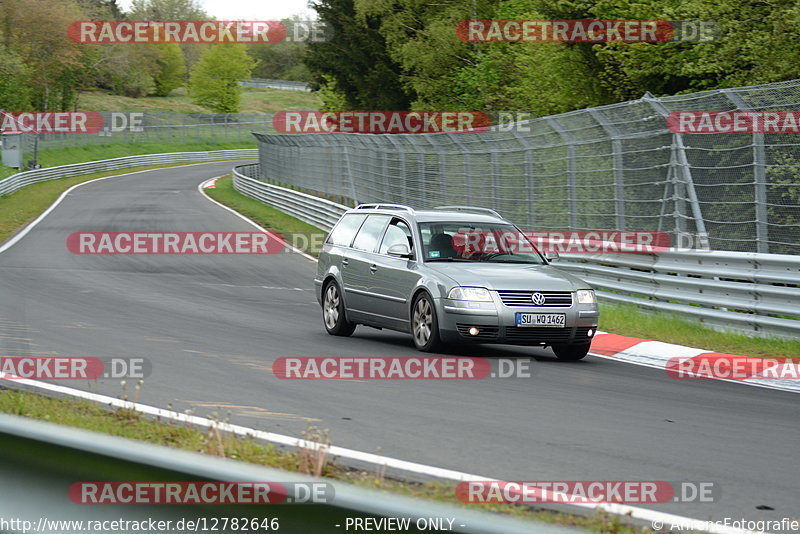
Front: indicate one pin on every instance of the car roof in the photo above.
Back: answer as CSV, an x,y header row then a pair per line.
x,y
435,215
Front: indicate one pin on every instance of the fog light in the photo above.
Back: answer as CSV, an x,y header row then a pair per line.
x,y
590,332
474,331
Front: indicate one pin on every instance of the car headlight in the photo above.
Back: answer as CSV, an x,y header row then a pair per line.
x,y
586,296
479,294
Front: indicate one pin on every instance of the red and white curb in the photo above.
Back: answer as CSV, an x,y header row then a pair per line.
x,y
669,357
210,184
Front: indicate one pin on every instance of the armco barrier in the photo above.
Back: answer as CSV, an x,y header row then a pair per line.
x,y
749,292
40,462
22,179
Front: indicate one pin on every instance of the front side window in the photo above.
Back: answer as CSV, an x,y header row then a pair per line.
x,y
481,242
397,233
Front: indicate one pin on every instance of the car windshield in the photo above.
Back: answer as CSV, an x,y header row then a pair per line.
x,y
482,242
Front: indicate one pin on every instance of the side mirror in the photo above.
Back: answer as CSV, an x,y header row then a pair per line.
x,y
551,256
399,250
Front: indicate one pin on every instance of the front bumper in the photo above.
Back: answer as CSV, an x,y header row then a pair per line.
x,y
496,323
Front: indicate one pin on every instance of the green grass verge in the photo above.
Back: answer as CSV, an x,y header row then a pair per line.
x,y
628,320
295,230
133,425
254,100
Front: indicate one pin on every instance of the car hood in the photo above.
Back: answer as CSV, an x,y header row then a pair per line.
x,y
509,276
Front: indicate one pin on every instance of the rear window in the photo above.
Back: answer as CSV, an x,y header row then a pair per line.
x,y
346,229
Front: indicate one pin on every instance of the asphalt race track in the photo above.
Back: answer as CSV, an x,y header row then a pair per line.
x,y
211,326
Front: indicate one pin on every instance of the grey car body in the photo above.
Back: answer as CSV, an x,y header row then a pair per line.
x,y
366,276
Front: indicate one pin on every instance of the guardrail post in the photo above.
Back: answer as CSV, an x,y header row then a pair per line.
x,y
679,150
760,175
569,140
617,162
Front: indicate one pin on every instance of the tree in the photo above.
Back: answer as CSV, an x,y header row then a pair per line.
x,y
356,60
167,10
214,79
173,10
171,69
14,93
52,59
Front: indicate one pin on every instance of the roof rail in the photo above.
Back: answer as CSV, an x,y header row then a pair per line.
x,y
384,207
470,208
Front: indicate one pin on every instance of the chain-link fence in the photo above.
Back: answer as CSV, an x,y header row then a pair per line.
x,y
159,127
613,167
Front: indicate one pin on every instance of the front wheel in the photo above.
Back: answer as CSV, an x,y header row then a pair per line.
x,y
333,312
424,325
571,352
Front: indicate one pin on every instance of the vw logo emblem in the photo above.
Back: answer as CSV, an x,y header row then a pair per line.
x,y
538,299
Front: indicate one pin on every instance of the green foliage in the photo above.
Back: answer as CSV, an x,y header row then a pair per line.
x,y
14,92
171,69
756,42
356,60
213,83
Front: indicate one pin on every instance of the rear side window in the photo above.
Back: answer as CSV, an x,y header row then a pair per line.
x,y
370,232
344,232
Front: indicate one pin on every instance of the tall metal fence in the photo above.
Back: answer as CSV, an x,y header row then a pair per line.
x,y
160,127
614,167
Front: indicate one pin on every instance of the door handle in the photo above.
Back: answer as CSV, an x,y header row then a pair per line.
x,y
345,262
373,268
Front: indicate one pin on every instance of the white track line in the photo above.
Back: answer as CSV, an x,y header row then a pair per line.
x,y
395,463
251,221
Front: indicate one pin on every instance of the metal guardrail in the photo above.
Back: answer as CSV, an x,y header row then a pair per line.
x,y
743,291
286,85
22,179
308,208
41,461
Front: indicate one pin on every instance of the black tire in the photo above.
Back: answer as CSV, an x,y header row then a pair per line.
x,y
571,353
333,313
425,325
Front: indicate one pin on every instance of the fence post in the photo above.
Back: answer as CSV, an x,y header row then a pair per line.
x,y
569,140
760,175
682,163
617,162
529,180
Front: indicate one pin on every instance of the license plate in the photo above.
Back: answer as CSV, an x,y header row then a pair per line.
x,y
556,320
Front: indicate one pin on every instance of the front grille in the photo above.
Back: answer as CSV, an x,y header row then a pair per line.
x,y
522,299
486,332
517,334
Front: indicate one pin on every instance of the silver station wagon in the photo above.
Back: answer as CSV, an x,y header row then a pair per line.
x,y
453,274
